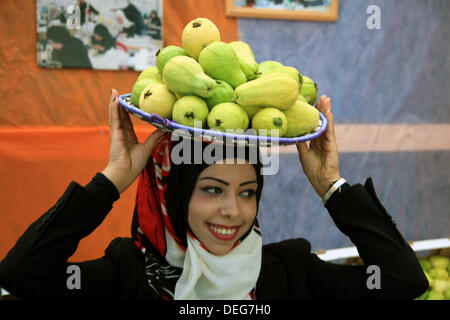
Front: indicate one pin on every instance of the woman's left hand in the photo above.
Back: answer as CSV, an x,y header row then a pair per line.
x,y
320,160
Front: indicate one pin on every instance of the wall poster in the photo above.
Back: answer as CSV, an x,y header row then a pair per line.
x,y
99,34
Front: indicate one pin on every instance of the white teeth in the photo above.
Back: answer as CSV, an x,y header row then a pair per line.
x,y
223,231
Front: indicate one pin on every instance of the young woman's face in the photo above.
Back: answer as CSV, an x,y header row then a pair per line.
x,y
97,37
223,205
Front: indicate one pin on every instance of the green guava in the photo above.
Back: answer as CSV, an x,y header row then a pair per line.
x,y
227,116
190,111
435,295
309,90
438,261
437,273
167,53
223,93
251,110
270,122
149,76
425,264
302,119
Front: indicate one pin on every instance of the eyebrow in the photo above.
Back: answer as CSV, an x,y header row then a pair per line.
x,y
226,183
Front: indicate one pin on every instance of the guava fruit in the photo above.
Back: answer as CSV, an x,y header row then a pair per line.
x,y
302,119
293,72
302,98
429,278
440,285
269,66
246,58
425,264
148,76
150,72
251,110
447,294
423,296
184,75
309,90
223,93
197,34
227,116
277,90
167,53
435,295
190,109
270,122
157,98
219,61
437,273
438,261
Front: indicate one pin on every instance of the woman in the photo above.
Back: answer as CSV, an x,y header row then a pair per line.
x,y
195,233
123,26
102,40
68,50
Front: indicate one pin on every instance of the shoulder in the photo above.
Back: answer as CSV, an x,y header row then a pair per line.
x,y
123,249
287,247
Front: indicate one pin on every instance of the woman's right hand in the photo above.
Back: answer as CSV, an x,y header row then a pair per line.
x,y
127,156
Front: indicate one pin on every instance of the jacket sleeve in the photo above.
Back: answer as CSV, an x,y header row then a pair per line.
x,y
359,214
37,267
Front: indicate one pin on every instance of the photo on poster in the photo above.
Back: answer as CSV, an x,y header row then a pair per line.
x,y
315,5
99,34
314,10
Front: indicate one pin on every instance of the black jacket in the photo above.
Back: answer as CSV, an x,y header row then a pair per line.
x,y
37,267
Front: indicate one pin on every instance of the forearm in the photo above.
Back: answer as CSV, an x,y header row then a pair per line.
x,y
359,214
41,253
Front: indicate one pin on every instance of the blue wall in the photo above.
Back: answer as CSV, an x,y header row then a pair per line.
x,y
396,75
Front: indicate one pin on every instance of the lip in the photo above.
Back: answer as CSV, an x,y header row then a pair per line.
x,y
221,236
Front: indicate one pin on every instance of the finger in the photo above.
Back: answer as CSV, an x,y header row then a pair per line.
x,y
329,115
302,149
114,112
152,140
128,127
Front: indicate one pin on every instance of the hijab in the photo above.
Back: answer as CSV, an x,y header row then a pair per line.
x,y
178,265
73,53
107,41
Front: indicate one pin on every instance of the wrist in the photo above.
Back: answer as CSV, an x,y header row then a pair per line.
x,y
114,178
334,186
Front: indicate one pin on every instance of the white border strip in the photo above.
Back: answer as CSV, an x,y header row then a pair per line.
x,y
352,252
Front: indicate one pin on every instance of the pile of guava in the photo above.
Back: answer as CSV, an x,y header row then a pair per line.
x,y
215,85
436,269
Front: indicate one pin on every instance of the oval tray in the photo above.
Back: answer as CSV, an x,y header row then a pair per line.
x,y
217,136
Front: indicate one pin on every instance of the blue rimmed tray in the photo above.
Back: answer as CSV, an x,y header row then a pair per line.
x,y
217,136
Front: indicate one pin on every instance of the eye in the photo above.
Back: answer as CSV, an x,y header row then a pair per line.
x,y
212,190
248,194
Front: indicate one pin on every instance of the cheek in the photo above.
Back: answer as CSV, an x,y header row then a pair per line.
x,y
249,210
200,209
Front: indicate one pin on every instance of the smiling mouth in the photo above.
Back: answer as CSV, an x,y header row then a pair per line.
x,y
222,232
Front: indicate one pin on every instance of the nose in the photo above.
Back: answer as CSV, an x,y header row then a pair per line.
x,y
230,207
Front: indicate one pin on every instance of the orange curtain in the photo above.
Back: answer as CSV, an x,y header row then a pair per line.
x,y
53,123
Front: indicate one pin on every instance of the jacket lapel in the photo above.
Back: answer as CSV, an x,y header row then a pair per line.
x,y
271,283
